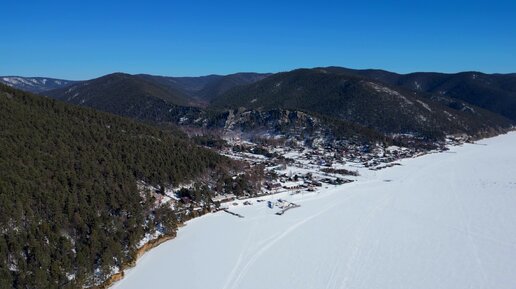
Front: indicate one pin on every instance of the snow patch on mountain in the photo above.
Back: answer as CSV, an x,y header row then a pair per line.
x,y
426,106
34,84
384,89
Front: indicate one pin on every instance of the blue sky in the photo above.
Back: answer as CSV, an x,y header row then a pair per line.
x,y
86,39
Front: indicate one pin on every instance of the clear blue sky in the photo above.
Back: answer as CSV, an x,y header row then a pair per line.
x,y
86,39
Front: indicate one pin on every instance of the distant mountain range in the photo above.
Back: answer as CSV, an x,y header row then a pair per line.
x,y
495,92
151,98
366,101
178,90
35,84
206,88
428,105
120,92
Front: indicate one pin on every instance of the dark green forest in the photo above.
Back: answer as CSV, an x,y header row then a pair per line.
x,y
69,202
381,107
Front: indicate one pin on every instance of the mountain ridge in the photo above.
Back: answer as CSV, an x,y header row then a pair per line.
x,y
375,99
495,92
361,100
35,84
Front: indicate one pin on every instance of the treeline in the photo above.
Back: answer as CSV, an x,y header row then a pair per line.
x,y
70,208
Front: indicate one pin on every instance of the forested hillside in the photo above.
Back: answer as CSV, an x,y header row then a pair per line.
x,y
205,88
131,95
70,208
116,89
494,92
388,109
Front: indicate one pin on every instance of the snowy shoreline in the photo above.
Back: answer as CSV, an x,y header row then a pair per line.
x,y
253,242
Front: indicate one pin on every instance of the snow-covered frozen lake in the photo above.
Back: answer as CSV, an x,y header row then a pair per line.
x,y
443,220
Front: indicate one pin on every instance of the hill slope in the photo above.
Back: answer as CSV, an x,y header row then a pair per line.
x,y
70,208
360,100
150,98
118,89
494,92
218,87
205,88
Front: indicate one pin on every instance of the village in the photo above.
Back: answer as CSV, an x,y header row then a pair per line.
x,y
292,167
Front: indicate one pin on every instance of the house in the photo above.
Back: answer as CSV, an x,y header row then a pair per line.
x,y
292,187
272,186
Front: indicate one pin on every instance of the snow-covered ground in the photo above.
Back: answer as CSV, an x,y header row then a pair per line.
x,y
444,220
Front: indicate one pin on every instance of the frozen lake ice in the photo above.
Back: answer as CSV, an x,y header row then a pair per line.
x,y
444,220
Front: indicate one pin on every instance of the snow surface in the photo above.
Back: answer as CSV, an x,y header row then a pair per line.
x,y
444,220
